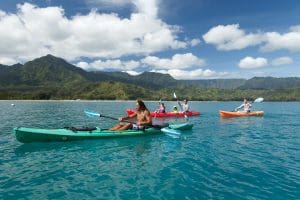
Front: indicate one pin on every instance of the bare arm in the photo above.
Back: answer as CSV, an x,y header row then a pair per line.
x,y
238,108
128,117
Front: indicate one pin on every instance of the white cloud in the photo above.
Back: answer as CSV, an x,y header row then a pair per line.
x,y
192,74
148,7
195,42
289,41
295,28
133,73
35,31
250,62
282,61
231,37
7,61
109,65
178,66
83,65
178,61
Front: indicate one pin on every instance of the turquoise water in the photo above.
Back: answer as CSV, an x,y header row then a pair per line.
x,y
237,158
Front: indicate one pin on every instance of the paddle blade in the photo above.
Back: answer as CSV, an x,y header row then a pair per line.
x,y
186,117
91,113
170,131
259,100
175,95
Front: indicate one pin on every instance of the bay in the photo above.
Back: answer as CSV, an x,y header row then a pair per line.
x,y
235,158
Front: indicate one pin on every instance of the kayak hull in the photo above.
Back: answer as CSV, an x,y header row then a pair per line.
x,y
240,114
168,114
28,135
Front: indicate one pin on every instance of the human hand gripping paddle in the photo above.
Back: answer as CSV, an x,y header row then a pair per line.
x,y
164,128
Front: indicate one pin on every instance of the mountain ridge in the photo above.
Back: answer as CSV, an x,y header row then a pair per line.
x,y
50,77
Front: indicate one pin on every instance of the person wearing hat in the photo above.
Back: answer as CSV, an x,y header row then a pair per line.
x,y
175,110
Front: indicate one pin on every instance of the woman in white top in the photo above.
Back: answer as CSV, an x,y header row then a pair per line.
x,y
246,105
185,107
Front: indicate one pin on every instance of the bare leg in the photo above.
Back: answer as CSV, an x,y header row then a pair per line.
x,y
125,127
120,127
116,127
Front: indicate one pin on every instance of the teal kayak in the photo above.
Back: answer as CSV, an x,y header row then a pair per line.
x,y
27,135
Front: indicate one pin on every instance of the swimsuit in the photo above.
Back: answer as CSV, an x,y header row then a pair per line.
x,y
136,127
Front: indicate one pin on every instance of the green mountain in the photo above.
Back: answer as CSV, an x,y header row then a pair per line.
x,y
271,83
150,80
50,77
218,83
51,70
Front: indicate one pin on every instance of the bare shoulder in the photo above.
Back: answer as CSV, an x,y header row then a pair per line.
x,y
147,112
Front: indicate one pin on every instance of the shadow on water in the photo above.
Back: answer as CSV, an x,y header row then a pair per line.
x,y
139,143
44,147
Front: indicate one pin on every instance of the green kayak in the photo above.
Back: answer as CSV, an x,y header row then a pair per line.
x,y
27,135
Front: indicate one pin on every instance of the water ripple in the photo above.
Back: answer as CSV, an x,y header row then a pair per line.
x,y
236,158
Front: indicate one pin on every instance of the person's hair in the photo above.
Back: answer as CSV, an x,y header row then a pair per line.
x,y
141,104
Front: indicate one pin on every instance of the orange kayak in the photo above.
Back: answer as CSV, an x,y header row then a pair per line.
x,y
240,114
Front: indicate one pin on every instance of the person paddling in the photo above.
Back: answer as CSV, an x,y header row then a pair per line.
x,y
185,107
246,105
161,108
175,110
142,115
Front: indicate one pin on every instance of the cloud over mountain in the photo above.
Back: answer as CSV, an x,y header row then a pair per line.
x,y
34,31
232,37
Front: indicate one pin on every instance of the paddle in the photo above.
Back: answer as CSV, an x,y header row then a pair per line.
x,y
258,100
163,128
185,116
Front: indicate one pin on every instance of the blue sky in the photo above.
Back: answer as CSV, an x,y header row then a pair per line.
x,y
191,39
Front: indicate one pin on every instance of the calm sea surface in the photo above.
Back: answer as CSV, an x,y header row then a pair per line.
x,y
237,158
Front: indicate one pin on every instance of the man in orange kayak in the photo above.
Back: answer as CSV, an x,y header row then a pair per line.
x,y
142,115
246,105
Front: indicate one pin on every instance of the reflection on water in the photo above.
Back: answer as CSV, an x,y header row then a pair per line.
x,y
242,122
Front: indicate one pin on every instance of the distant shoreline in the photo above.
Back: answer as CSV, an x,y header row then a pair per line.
x,y
68,100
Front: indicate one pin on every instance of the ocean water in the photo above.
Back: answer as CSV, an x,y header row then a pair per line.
x,y
236,158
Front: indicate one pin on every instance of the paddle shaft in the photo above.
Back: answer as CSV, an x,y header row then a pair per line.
x,y
113,118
